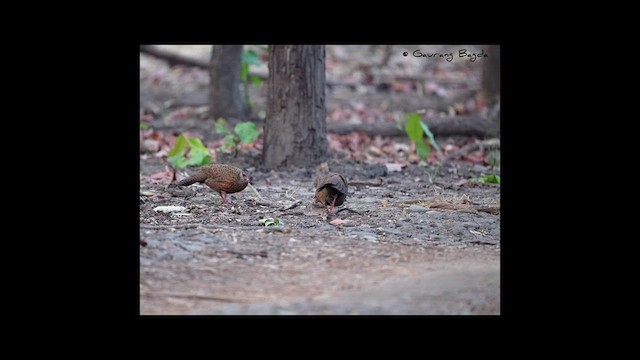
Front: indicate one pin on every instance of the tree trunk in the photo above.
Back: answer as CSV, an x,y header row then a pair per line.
x,y
224,83
491,74
295,130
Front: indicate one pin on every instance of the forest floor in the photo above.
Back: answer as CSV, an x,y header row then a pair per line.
x,y
414,239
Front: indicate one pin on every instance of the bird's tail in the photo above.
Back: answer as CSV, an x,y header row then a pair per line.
x,y
197,177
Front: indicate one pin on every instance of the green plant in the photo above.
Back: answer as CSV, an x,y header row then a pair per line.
x,y
415,129
144,126
494,157
192,146
491,179
245,132
271,222
249,57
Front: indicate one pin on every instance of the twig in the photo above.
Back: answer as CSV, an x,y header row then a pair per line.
x,y
262,253
189,226
493,210
411,201
357,212
378,182
193,296
257,193
290,196
293,205
261,200
282,229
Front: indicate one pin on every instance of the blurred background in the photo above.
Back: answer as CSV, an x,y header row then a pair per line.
x,y
370,92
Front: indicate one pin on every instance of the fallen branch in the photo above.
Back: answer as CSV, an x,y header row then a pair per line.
x,y
173,58
439,126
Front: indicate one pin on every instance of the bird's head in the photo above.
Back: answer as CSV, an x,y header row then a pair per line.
x,y
244,177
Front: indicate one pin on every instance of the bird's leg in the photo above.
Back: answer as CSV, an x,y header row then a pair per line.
x,y
223,195
335,196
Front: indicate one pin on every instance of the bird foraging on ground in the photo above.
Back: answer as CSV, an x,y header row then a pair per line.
x,y
225,179
331,190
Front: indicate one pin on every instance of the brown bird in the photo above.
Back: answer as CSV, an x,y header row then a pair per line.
x,y
331,190
225,179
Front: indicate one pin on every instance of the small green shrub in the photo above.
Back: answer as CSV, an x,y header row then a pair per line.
x,y
198,153
245,132
491,179
271,222
415,129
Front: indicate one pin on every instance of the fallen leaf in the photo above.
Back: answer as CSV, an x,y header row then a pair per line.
x,y
166,209
339,222
163,177
461,182
395,167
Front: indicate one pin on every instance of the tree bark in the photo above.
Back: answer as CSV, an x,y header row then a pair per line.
x,y
295,130
224,83
491,74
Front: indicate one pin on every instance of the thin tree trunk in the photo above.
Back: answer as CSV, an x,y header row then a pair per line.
x,y
224,87
491,74
295,131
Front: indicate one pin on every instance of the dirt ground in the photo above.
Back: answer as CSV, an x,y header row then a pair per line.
x,y
422,242
412,248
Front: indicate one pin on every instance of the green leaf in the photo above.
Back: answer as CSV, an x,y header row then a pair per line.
x,y
250,57
422,149
196,144
429,134
244,71
413,128
144,126
255,80
270,221
198,158
494,179
180,147
178,161
247,132
221,126
230,140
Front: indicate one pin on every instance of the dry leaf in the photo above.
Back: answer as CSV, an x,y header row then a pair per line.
x,y
339,222
395,167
